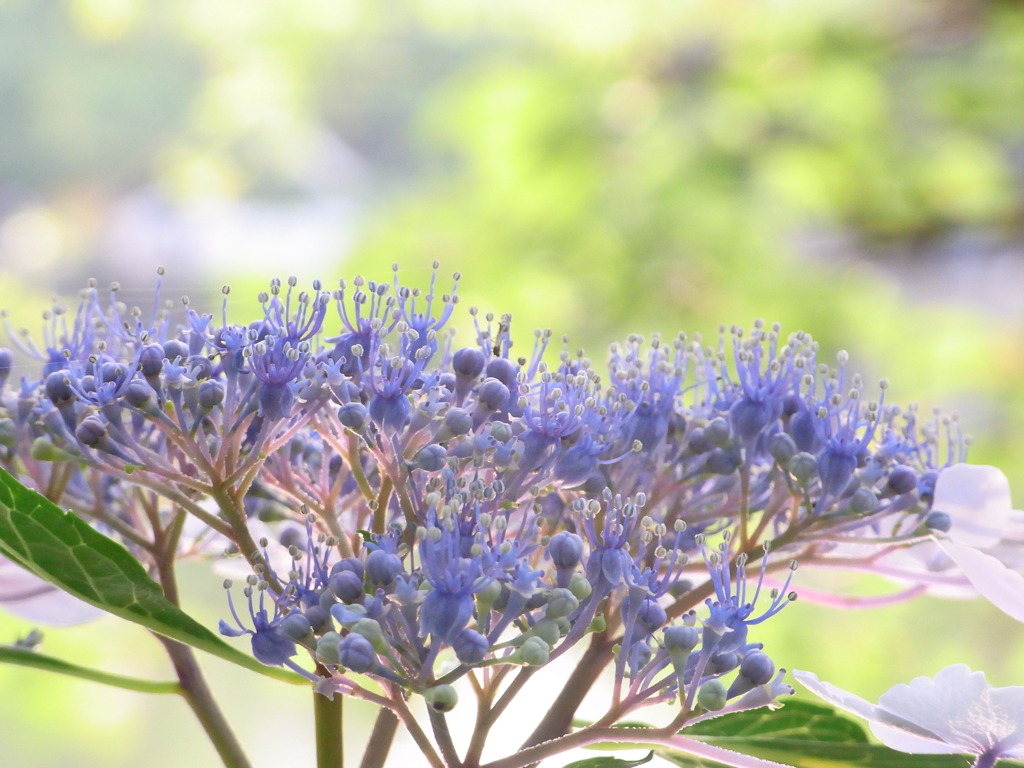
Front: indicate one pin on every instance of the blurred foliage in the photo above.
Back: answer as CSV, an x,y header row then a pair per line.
x,y
596,168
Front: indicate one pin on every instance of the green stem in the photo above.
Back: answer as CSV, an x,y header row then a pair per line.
x,y
329,743
383,734
381,511
26,658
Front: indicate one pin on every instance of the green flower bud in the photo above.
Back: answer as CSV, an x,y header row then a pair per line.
x,y
501,431
599,624
441,698
487,596
8,432
561,602
327,648
712,695
547,630
580,587
370,629
534,651
863,501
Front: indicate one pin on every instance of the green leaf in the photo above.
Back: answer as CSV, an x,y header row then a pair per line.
x,y
811,754
609,762
800,734
27,658
800,720
63,550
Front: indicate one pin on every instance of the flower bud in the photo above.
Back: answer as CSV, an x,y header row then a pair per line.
x,y
712,695
681,637
327,649
938,521
503,370
565,549
382,567
91,432
863,500
353,564
561,602
457,422
580,587
501,431
58,388
696,442
319,618
723,462
371,630
470,646
651,615
297,627
211,394
782,448
431,458
534,651
902,479
803,467
355,652
353,416
151,361
441,698
468,362
139,395
493,395
547,630
173,349
717,432
757,667
488,596
346,586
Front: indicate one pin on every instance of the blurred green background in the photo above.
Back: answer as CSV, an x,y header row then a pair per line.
x,y
851,167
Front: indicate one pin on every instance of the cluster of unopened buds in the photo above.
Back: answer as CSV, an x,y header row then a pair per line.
x,y
414,512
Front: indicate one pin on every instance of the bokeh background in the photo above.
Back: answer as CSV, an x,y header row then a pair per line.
x,y
854,168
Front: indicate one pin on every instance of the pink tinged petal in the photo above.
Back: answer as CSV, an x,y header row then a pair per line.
x,y
29,597
977,499
998,584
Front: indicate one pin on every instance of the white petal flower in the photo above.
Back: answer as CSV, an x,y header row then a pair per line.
x,y
977,500
957,712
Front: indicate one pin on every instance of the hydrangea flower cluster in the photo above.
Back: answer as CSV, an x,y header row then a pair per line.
x,y
416,512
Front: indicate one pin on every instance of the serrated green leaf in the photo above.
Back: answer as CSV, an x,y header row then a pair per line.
x,y
803,735
610,762
65,551
812,754
797,720
24,657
